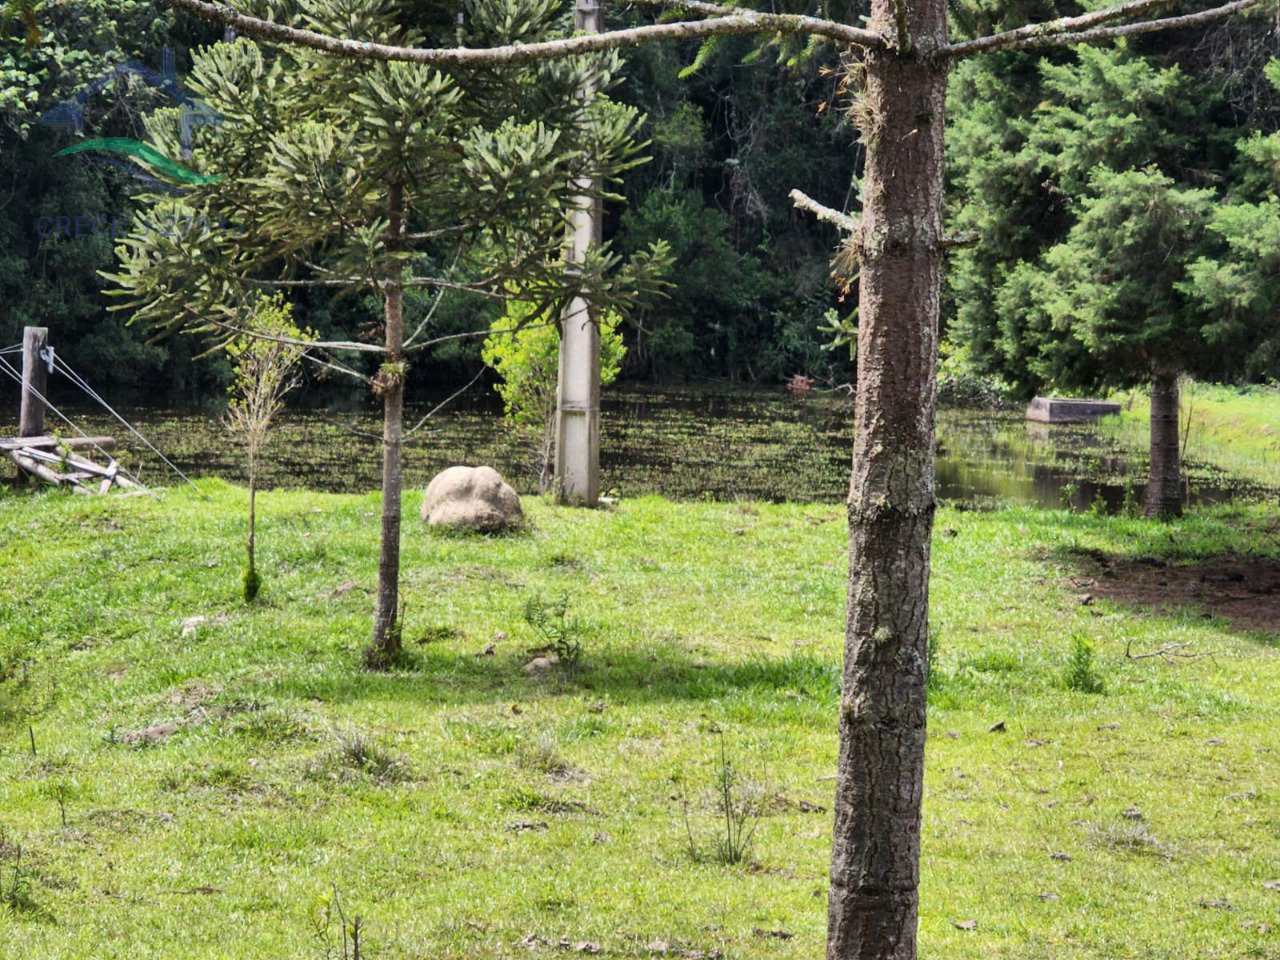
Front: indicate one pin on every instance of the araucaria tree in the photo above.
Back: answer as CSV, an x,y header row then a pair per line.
x,y
264,371
898,70
372,178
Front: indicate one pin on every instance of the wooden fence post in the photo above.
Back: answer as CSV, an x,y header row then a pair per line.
x,y
35,382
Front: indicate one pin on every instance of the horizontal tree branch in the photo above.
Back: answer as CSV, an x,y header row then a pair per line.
x,y
337,345
827,214
1013,38
781,22
743,22
1154,26
1088,27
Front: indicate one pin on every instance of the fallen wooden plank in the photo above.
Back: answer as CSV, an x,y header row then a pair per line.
x,y
50,443
35,469
88,466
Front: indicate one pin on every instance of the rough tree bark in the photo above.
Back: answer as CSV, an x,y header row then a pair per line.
x,y
577,438
385,646
1164,484
873,902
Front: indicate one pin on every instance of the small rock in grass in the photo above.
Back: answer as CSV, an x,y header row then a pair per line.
x,y
1060,857
540,665
193,624
772,934
157,733
997,727
965,924
520,826
1133,813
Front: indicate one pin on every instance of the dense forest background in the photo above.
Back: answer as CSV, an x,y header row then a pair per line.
x,y
752,299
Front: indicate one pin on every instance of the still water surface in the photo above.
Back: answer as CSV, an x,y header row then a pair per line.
x,y
683,444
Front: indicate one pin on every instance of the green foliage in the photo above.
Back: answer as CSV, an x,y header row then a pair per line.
x,y
1103,253
58,214
1111,304
16,882
961,385
523,348
562,633
314,156
1236,282
264,361
1081,673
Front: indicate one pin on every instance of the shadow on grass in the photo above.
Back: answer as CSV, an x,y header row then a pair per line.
x,y
660,675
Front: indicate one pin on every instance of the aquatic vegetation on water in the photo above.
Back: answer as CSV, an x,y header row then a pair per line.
x,y
689,445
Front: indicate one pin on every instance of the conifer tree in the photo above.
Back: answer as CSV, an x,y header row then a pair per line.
x,y
1090,212
373,178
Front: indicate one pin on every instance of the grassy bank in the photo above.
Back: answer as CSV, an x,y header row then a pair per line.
x,y
219,782
1236,429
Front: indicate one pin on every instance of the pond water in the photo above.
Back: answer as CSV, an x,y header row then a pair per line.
x,y
684,444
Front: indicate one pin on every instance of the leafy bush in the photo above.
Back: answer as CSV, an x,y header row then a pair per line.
x,y
961,385
523,348
561,633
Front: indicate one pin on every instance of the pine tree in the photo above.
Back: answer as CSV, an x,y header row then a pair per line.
x,y
373,178
1090,215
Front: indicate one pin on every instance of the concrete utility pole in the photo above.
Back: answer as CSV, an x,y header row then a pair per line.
x,y
577,477
35,381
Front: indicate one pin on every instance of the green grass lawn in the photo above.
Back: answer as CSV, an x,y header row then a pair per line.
x,y
1236,429
464,808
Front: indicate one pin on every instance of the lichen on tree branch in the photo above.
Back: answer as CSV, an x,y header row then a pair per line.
x,y
824,213
1090,27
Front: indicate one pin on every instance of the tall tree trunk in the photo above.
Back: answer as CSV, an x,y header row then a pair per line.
x,y
577,436
875,861
385,646
1164,484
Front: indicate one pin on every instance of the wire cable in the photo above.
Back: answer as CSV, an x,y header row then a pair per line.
x,y
79,381
17,376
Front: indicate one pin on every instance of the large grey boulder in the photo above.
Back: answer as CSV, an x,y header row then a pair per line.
x,y
473,498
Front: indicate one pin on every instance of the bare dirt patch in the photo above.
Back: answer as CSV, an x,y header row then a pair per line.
x,y
1245,591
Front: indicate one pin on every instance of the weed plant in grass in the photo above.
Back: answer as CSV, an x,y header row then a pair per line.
x,y
222,781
